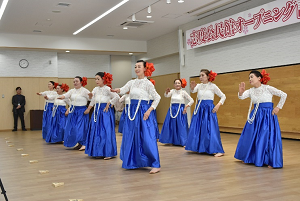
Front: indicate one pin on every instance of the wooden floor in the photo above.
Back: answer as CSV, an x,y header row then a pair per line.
x,y
184,175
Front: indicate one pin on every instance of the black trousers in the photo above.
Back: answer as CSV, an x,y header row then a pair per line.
x,y
20,114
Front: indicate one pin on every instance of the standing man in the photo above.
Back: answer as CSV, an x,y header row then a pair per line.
x,y
18,102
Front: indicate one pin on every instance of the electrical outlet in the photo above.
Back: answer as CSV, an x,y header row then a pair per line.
x,y
2,95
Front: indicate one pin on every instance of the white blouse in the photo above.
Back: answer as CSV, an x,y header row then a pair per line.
x,y
141,89
56,101
263,94
104,95
78,97
179,96
125,98
49,93
208,91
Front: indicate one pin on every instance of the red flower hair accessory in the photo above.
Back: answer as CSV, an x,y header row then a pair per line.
x,y
153,81
55,85
149,69
183,83
84,81
212,76
65,87
107,78
265,77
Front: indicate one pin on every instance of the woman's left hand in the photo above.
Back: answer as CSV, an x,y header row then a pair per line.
x,y
184,111
106,108
275,111
216,108
146,115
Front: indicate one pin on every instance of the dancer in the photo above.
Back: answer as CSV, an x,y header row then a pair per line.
x,y
204,134
139,146
260,142
78,118
175,127
126,99
48,106
55,133
101,138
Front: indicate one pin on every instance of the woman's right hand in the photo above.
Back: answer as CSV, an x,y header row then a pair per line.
x,y
117,90
46,97
193,85
168,90
38,94
90,95
241,88
87,111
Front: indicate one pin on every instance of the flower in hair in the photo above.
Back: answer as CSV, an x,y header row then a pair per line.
x,y
107,78
152,81
65,87
265,77
184,82
149,69
84,81
212,76
55,85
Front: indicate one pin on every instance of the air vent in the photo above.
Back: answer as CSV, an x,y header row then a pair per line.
x,y
63,4
136,24
37,31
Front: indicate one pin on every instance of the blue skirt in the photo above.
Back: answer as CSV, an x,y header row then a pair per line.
x,y
204,134
175,130
155,120
46,118
260,142
56,126
101,137
139,146
76,127
122,119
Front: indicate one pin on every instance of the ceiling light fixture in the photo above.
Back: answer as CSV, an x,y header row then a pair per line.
x,y
101,16
125,27
67,51
130,53
149,16
133,18
180,1
3,6
149,9
168,1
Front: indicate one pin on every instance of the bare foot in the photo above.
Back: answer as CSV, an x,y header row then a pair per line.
x,y
82,148
154,170
243,162
269,166
219,154
107,158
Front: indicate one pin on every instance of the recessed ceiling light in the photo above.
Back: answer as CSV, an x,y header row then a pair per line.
x,y
101,16
149,9
67,51
149,16
130,53
48,19
125,27
3,6
181,1
168,1
56,11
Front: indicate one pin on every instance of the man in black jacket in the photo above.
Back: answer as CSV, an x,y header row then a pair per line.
x,y
18,102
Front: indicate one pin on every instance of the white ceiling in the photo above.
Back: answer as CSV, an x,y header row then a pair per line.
x,y
24,16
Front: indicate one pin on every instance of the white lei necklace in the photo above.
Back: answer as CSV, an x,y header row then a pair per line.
x,y
197,107
138,106
46,103
96,112
178,106
250,120
76,95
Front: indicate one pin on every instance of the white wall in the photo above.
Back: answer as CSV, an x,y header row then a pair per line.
x,y
39,65
121,68
166,65
71,43
84,65
270,48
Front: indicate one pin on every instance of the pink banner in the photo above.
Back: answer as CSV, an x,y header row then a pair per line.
x,y
268,16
